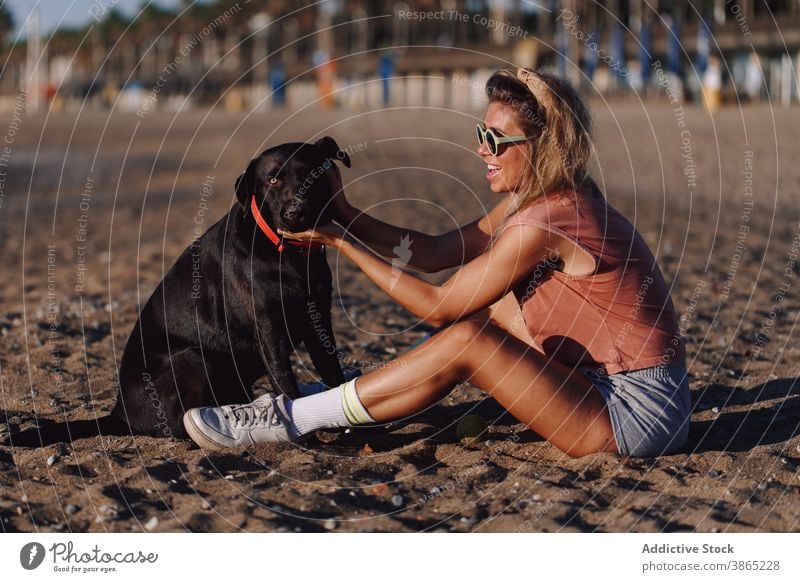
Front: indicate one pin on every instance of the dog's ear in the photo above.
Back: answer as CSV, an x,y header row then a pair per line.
x,y
245,185
330,149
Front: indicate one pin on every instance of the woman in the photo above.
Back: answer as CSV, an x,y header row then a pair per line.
x,y
560,311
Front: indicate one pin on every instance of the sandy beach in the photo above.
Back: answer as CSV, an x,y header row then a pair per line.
x,y
95,207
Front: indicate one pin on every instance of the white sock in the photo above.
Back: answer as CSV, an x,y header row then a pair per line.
x,y
333,408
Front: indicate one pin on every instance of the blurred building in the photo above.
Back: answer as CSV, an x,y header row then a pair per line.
x,y
269,53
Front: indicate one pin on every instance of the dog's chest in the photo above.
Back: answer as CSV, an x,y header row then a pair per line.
x,y
286,281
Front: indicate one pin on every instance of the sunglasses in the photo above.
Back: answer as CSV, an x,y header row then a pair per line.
x,y
495,142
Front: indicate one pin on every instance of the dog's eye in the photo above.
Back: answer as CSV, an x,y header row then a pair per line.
x,y
272,180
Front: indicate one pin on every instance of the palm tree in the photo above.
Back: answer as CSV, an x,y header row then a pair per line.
x,y
151,22
110,29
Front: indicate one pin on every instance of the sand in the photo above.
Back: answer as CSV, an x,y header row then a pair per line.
x,y
132,188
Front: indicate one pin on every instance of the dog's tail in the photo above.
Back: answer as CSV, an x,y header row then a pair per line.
x,y
65,432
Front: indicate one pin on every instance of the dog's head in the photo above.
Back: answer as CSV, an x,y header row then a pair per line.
x,y
290,184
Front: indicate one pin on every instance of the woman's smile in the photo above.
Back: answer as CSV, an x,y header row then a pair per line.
x,y
504,171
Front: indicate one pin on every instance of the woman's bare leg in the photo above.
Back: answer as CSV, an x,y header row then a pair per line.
x,y
556,402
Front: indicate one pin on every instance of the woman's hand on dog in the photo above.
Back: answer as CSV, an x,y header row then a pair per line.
x,y
328,234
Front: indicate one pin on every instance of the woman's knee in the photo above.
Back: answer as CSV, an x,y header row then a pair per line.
x,y
468,331
466,337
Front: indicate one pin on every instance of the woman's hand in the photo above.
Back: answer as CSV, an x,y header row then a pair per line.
x,y
327,234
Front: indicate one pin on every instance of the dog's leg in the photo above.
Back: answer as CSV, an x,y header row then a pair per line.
x,y
321,344
154,401
276,349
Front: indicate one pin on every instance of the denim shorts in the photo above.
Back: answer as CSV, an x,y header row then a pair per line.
x,y
649,408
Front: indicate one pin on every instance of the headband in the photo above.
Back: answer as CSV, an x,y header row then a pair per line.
x,y
537,87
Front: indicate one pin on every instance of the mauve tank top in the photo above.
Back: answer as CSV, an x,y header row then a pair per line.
x,y
617,318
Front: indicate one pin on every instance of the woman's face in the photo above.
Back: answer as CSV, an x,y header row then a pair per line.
x,y
505,170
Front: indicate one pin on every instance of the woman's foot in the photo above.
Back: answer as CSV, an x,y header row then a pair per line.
x,y
265,420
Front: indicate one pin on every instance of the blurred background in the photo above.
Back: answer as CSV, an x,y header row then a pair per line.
x,y
168,54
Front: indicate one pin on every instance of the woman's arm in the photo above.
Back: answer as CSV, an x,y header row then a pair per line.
x,y
475,286
389,240
425,252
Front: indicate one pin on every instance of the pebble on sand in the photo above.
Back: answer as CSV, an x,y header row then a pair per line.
x,y
151,524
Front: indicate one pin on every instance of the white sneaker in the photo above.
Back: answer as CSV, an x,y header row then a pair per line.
x,y
265,420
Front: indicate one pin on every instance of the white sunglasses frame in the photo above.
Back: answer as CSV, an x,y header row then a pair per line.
x,y
482,132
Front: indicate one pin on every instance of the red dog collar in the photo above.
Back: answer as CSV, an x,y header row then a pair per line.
x,y
274,238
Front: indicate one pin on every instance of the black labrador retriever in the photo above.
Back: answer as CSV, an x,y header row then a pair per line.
x,y
232,307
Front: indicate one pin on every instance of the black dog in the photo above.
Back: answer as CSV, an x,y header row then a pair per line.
x,y
232,307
